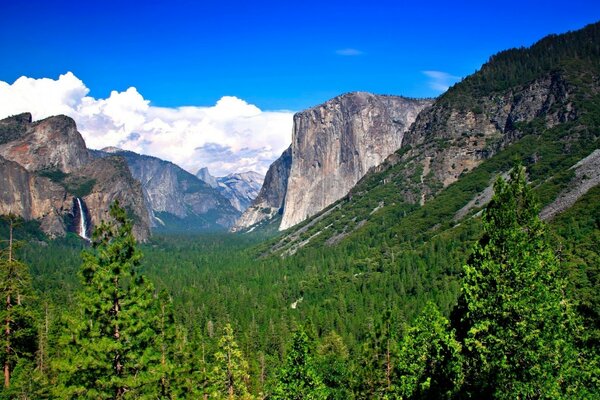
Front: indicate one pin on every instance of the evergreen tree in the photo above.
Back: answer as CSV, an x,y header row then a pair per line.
x,y
166,342
18,333
378,356
108,349
299,379
430,364
230,375
514,317
332,360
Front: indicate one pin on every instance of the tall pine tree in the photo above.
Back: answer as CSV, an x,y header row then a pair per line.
x,y
299,378
515,320
18,338
108,348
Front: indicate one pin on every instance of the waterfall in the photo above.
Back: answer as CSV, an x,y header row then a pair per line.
x,y
82,221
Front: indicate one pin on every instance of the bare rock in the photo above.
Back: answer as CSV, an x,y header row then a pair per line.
x,y
336,143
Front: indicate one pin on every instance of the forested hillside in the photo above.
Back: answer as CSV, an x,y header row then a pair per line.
x,y
415,285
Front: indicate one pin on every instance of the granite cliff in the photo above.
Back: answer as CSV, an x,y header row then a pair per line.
x,y
333,146
45,167
336,143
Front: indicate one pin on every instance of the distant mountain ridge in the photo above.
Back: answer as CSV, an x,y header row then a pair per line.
x,y
240,188
178,200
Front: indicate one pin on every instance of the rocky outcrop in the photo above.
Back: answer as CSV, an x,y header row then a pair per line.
x,y
45,166
50,144
269,201
447,140
33,197
336,143
169,189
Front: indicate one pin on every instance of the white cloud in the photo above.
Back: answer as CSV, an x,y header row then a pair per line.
x,y
230,136
440,81
349,52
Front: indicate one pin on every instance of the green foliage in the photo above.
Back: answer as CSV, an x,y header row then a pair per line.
x,y
516,322
333,363
108,349
515,67
378,357
430,363
18,337
230,373
298,378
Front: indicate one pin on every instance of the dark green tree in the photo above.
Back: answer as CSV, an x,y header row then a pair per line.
x,y
109,347
375,369
299,379
515,319
430,363
18,335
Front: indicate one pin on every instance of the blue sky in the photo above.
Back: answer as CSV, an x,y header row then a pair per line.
x,y
215,83
276,55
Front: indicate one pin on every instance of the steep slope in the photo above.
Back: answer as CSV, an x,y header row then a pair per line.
x,y
269,202
178,200
336,143
48,174
473,133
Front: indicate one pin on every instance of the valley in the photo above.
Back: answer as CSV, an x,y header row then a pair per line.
x,y
399,248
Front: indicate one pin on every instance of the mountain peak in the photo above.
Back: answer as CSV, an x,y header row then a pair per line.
x,y
204,175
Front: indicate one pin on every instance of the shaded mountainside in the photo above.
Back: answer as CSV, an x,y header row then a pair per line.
x,y
178,200
333,146
45,166
456,148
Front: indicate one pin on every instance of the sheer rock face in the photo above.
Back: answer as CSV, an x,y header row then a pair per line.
x,y
50,144
271,197
32,197
45,164
336,143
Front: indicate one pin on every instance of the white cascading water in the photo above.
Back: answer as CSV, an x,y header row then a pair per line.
x,y
82,222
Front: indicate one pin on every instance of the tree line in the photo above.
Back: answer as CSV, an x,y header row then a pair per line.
x,y
514,333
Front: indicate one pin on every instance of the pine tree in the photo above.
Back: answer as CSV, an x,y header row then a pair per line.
x,y
230,374
514,318
332,360
430,364
378,356
299,379
108,349
18,333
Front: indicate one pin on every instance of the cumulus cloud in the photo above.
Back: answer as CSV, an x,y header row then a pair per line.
x,y
230,136
349,52
440,81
